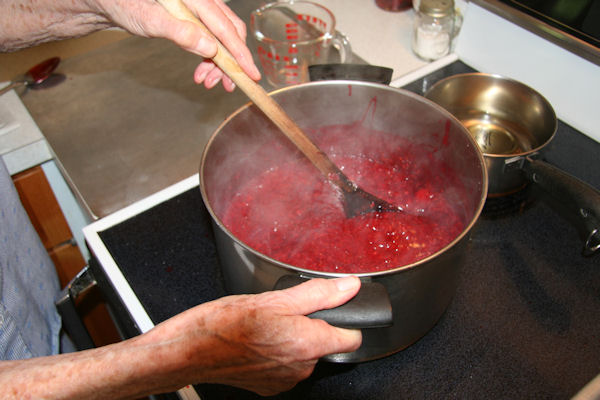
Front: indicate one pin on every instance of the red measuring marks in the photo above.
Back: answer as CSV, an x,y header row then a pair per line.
x,y
291,69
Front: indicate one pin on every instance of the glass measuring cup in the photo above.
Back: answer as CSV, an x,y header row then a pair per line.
x,y
290,36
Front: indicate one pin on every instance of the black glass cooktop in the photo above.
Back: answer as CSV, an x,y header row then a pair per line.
x,y
524,323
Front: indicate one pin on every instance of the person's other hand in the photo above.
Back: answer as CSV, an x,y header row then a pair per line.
x,y
148,18
263,343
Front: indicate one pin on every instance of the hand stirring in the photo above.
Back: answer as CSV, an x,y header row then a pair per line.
x,y
356,200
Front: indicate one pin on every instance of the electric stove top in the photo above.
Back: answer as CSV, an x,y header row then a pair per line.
x,y
524,323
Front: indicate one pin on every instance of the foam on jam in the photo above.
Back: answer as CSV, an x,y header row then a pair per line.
x,y
292,214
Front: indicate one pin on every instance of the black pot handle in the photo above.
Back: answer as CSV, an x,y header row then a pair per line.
x,y
370,308
579,199
354,72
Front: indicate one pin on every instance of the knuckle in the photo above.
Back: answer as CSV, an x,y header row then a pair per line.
x,y
241,27
186,36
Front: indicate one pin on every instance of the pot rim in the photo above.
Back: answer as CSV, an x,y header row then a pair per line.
x,y
304,271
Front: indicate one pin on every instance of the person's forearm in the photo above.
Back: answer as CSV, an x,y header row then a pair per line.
x,y
123,370
262,343
25,23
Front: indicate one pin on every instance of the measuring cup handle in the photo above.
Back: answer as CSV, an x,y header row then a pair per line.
x,y
342,44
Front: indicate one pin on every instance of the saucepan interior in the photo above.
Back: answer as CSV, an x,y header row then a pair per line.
x,y
504,116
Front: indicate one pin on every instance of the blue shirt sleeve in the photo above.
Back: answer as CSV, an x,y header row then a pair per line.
x,y
29,323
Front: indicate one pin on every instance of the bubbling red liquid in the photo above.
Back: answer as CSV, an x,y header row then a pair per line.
x,y
292,214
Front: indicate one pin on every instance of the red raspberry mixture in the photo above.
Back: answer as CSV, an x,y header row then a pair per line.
x,y
292,214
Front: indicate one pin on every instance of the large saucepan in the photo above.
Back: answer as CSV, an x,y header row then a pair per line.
x,y
247,144
512,124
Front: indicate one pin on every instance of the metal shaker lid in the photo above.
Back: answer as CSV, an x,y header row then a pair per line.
x,y
437,8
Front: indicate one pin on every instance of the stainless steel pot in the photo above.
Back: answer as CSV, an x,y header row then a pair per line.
x,y
512,124
247,144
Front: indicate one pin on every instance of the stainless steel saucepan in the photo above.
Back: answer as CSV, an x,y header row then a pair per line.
x,y
512,124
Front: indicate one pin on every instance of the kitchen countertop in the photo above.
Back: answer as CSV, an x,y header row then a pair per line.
x,y
129,121
22,144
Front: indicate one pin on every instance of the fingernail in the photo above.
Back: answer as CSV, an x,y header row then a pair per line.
x,y
256,72
201,76
253,72
345,284
211,82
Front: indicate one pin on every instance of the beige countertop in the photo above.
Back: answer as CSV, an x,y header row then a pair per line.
x,y
128,121
22,143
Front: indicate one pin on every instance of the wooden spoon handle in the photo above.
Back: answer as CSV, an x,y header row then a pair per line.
x,y
263,101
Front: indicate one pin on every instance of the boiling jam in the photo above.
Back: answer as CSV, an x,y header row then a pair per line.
x,y
291,213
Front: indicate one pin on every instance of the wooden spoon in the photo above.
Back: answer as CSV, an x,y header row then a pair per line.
x,y
356,200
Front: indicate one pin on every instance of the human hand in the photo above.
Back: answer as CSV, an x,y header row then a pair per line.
x,y
262,343
148,18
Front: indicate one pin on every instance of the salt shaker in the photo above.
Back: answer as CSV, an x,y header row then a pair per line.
x,y
433,28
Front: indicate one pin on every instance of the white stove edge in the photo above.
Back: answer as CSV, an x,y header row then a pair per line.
x,y
114,274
